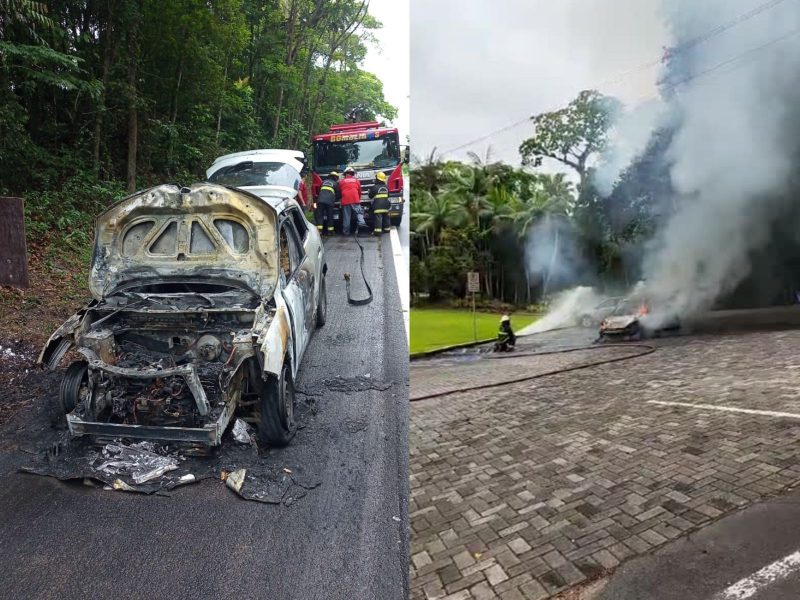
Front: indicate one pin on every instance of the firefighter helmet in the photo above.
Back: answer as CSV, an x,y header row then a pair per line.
x,y
380,176
505,318
350,170
334,174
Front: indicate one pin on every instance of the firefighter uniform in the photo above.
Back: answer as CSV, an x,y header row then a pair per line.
x,y
380,205
506,340
329,193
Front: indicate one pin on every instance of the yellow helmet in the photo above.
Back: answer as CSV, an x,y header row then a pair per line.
x,y
333,174
380,176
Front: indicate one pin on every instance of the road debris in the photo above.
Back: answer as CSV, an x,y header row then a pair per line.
x,y
359,383
140,461
234,480
241,432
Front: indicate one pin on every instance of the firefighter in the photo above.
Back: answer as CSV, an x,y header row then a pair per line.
x,y
329,193
351,200
380,204
506,340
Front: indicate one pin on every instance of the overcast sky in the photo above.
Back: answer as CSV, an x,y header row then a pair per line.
x,y
390,60
477,66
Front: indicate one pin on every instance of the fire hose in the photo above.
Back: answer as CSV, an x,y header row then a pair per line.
x,y
350,299
645,349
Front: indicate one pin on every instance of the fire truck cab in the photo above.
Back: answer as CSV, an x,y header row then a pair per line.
x,y
367,147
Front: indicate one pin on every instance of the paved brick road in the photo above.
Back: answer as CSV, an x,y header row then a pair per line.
x,y
526,490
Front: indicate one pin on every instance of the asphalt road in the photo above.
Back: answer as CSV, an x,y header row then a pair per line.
x,y
347,538
752,554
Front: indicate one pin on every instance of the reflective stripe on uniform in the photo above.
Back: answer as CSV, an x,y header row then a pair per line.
x,y
381,195
380,211
377,230
326,187
319,227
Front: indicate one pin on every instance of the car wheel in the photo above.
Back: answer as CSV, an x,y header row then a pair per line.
x,y
396,221
277,424
74,383
587,321
322,303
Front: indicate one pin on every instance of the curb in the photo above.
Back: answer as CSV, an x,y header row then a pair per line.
x,y
401,272
435,351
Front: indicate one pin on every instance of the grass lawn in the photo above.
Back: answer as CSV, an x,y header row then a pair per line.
x,y
435,328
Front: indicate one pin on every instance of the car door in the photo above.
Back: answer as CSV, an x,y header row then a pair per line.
x,y
298,287
312,248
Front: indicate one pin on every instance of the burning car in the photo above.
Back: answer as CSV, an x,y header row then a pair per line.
x,y
204,302
609,307
634,326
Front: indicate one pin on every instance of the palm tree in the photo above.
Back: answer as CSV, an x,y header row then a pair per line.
x,y
433,213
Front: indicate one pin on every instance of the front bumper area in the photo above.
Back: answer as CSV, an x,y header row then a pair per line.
x,y
209,434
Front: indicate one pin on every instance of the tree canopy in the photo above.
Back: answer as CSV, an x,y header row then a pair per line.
x,y
573,134
100,97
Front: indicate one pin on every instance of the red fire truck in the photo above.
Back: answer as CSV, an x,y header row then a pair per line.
x,y
367,147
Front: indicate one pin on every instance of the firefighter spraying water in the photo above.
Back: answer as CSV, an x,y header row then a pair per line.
x,y
506,339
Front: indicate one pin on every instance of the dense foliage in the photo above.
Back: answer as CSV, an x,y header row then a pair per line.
x,y
100,97
530,233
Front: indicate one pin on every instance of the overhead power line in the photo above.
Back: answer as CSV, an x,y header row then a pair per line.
x,y
671,52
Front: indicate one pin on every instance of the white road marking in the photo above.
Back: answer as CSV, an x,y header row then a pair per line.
x,y
747,411
401,269
747,587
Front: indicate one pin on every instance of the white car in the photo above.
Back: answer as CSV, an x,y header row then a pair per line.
x,y
265,173
205,299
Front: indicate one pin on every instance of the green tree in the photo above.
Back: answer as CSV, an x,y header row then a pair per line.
x,y
573,134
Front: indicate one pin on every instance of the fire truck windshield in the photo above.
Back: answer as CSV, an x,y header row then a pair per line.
x,y
383,152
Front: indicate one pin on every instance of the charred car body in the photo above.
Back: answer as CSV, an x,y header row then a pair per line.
x,y
635,325
204,301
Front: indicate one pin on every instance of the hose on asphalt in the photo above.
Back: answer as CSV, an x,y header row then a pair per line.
x,y
350,299
645,349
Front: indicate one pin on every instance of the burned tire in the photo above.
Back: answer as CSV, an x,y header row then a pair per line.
x,y
277,425
322,303
69,393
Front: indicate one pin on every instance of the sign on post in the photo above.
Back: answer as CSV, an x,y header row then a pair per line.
x,y
473,287
473,282
13,253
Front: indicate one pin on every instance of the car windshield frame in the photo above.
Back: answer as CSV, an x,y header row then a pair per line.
x,y
256,174
351,151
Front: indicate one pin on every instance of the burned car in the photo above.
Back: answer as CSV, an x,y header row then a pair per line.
x,y
636,325
204,302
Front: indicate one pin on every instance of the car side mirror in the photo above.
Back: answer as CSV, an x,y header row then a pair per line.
x,y
406,154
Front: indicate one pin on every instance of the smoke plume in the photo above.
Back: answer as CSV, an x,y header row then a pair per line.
x,y
734,151
553,254
629,136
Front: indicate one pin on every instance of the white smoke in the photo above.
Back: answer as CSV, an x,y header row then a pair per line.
x,y
553,255
567,308
732,154
628,138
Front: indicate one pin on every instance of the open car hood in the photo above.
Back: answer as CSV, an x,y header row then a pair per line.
x,y
618,322
206,234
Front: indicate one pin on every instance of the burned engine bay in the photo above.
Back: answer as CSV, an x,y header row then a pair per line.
x,y
161,365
